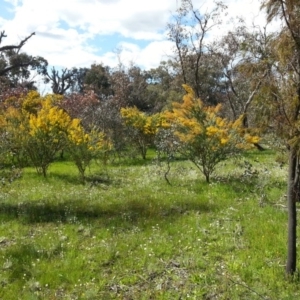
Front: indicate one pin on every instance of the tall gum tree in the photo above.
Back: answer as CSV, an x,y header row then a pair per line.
x,y
284,97
188,31
243,54
16,65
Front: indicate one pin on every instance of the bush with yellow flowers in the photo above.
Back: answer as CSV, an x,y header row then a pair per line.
x,y
145,127
15,112
84,147
34,127
205,137
47,134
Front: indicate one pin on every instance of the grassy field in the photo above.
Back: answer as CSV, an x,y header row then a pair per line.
x,y
127,234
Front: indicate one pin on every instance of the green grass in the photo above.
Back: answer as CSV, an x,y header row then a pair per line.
x,y
127,234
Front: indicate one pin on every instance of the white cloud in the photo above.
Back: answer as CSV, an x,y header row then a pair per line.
x,y
67,30
13,2
155,52
2,21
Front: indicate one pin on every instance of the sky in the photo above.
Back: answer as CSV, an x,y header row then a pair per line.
x,y
71,33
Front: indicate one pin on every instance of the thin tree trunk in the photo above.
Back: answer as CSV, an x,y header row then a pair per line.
x,y
292,197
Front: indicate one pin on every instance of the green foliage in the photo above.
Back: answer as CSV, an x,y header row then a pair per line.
x,y
97,79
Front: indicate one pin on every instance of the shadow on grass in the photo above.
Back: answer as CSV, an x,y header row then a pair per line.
x,y
68,178
118,213
74,179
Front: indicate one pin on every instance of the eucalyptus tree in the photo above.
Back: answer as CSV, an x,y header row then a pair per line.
x,y
16,66
165,82
188,31
284,104
246,65
98,79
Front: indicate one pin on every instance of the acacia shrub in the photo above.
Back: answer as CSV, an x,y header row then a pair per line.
x,y
144,128
205,138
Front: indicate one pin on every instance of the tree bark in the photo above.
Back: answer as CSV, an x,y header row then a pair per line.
x,y
292,197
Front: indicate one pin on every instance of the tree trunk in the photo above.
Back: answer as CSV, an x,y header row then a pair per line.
x,y
292,197
207,176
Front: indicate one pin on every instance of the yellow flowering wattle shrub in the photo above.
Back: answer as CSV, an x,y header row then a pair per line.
x,y
14,131
49,120
35,127
83,147
205,137
31,102
145,127
47,134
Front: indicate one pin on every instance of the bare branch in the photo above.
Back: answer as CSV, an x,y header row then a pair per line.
x,y
2,35
12,47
